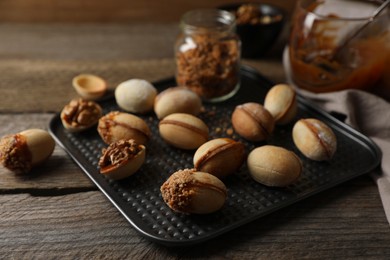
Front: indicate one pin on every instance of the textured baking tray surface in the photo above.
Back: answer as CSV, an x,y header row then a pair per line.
x,y
138,197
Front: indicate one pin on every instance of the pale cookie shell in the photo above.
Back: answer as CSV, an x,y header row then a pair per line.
x,y
281,102
89,86
40,143
135,96
192,192
314,139
220,157
177,100
22,151
252,121
274,166
116,125
183,131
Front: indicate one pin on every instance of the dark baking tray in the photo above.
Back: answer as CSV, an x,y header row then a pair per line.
x,y
138,197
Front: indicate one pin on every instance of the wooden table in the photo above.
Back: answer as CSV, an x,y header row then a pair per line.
x,y
56,211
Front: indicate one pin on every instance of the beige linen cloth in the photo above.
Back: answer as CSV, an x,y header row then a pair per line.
x,y
369,114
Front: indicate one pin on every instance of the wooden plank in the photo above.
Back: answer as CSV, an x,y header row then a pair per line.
x,y
52,213
46,58
122,11
344,223
34,80
82,225
98,42
51,80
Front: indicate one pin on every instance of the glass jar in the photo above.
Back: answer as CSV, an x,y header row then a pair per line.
x,y
207,53
336,45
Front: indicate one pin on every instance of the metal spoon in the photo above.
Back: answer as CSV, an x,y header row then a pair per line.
x,y
348,39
